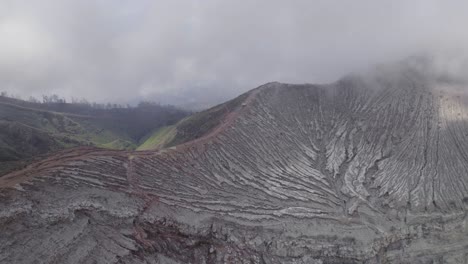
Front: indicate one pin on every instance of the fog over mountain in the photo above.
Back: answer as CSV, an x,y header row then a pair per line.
x,y
367,170
352,148
197,53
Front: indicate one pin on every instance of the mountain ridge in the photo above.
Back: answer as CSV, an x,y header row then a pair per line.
x,y
364,170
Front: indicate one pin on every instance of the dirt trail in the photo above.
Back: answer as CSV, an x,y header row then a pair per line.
x,y
226,122
46,111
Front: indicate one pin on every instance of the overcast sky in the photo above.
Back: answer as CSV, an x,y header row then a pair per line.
x,y
206,51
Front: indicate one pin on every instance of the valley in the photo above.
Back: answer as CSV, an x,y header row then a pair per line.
x,y
29,130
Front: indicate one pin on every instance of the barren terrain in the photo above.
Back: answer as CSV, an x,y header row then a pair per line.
x,y
364,170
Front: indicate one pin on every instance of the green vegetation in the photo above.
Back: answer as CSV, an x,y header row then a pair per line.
x,y
192,127
159,139
28,130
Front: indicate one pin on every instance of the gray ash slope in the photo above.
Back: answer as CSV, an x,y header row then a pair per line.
x,y
365,170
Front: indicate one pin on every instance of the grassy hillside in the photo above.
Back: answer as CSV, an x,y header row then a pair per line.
x,y
29,129
192,127
159,139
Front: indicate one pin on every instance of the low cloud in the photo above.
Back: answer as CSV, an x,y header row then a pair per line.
x,y
197,53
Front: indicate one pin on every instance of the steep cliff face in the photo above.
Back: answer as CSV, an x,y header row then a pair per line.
x,y
365,170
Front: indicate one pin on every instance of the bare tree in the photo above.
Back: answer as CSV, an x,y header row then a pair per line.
x,y
33,99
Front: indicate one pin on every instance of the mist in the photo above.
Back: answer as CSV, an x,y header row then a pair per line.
x,y
198,53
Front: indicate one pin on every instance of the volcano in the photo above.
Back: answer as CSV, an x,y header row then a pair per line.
x,y
370,169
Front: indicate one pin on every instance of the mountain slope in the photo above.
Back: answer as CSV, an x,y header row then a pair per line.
x,y
159,139
28,130
365,170
195,126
